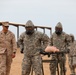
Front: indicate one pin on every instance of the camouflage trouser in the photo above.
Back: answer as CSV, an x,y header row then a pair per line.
x,y
35,62
8,64
54,65
72,69
3,64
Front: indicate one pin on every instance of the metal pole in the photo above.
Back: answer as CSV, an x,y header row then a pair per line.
x,y
17,35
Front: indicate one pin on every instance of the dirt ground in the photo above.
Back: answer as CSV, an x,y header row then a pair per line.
x,y
16,65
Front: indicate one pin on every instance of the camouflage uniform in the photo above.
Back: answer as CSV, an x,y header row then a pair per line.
x,y
2,64
59,41
71,55
8,42
32,46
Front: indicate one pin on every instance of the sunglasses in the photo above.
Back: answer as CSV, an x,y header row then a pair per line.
x,y
6,26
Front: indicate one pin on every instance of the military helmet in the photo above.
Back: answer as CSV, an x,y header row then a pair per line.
x,y
59,25
29,24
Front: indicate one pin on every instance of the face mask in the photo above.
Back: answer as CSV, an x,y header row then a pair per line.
x,y
72,38
29,32
58,31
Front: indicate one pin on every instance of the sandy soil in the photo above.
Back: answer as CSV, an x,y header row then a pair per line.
x,y
16,65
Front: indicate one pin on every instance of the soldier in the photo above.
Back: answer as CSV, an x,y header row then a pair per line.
x,y
8,49
72,55
59,39
31,42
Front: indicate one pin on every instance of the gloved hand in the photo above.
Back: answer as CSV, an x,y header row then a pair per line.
x,y
22,50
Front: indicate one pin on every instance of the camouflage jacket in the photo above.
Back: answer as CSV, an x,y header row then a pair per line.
x,y
60,41
8,42
72,49
33,43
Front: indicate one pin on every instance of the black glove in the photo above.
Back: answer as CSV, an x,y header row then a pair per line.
x,y
42,52
22,50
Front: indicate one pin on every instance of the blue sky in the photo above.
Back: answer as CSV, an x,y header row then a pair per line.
x,y
41,12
